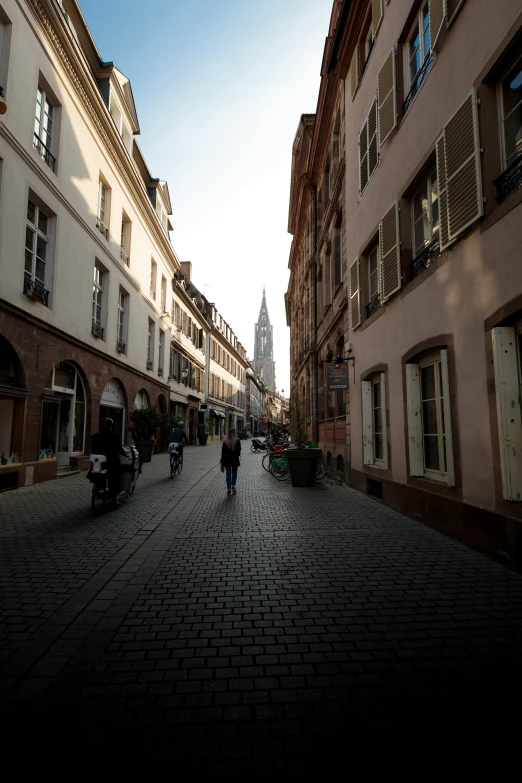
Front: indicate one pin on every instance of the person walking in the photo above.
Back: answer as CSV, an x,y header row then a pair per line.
x,y
230,453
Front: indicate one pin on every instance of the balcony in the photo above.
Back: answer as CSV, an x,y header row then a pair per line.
x,y
414,89
373,305
97,330
124,256
36,291
149,364
510,180
44,152
425,259
102,228
120,346
160,372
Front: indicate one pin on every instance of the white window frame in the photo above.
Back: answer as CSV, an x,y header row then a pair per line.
x,y
502,117
37,234
125,239
378,272
153,278
161,352
507,362
150,344
98,295
365,127
417,25
434,231
368,416
163,294
103,208
41,127
122,320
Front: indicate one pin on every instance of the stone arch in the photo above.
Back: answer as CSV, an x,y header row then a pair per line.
x,y
11,368
114,403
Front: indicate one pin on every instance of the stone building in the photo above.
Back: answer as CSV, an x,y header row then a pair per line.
x,y
433,238
254,401
264,363
227,375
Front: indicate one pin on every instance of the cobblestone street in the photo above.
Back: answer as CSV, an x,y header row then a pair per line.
x,y
281,632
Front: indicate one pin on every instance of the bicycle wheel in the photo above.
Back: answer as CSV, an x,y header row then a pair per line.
x,y
98,498
172,467
180,464
266,462
279,468
134,480
320,469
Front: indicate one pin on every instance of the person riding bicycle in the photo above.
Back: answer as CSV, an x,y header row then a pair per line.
x,y
178,435
108,443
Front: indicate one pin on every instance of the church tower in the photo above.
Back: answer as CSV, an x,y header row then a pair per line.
x,y
264,363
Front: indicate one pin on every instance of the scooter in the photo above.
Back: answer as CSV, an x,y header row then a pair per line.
x,y
130,468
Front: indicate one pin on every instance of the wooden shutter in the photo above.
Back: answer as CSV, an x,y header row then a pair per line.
x,y
363,157
458,168
384,420
436,8
355,294
446,402
452,9
376,15
389,253
507,387
373,139
367,418
386,92
413,398
443,193
354,71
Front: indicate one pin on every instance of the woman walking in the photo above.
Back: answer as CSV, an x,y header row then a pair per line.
x,y
230,460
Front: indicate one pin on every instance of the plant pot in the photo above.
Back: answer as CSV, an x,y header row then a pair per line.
x,y
202,440
145,449
303,465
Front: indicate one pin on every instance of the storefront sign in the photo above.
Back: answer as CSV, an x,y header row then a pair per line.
x,y
337,376
113,394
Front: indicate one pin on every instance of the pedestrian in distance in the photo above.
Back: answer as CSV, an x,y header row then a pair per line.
x,y
230,452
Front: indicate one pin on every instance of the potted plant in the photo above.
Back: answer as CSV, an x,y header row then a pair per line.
x,y
302,461
143,425
203,430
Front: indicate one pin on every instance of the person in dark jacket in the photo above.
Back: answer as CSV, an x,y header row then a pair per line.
x,y
179,436
108,443
230,453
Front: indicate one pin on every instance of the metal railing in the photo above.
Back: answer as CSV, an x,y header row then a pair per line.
x,y
373,305
97,329
331,411
424,259
35,290
149,364
43,151
321,415
100,225
124,256
160,372
510,180
419,78
120,346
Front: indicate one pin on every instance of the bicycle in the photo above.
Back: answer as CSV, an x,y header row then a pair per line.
x,y
176,462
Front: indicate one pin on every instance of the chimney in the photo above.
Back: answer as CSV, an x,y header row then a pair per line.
x,y
186,268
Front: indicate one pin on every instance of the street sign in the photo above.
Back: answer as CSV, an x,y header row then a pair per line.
x,y
337,376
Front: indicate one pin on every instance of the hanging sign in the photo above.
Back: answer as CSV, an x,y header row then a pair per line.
x,y
337,376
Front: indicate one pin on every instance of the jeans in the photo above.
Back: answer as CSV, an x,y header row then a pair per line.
x,y
231,476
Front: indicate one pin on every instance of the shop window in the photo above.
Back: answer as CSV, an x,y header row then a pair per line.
x,y
507,356
12,409
62,431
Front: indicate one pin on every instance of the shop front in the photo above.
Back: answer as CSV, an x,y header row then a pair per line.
x,y
63,417
112,406
217,420
13,399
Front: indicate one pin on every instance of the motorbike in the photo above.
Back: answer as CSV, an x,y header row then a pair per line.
x,y
130,468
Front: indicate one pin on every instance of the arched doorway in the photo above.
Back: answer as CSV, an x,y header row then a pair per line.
x,y
113,405
63,415
12,405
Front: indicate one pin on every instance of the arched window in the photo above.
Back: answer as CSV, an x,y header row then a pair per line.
x,y
62,433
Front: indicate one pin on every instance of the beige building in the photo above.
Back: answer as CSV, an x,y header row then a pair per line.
x,y
227,376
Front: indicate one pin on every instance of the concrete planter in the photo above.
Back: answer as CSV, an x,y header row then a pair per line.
x,y
303,465
145,449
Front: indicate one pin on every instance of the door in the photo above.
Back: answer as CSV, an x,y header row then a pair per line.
x,y
63,451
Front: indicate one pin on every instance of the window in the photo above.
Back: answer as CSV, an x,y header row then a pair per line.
x,y
163,294
161,213
125,239
429,418
97,301
338,260
425,214
161,352
122,321
120,123
102,214
507,360
373,275
511,116
44,127
150,345
418,49
153,275
368,148
36,253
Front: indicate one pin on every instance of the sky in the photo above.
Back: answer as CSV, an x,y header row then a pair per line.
x,y
219,87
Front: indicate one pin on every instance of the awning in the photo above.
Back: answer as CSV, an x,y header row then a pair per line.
x,y
217,414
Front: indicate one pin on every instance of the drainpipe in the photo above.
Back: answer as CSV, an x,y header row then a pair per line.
x,y
316,362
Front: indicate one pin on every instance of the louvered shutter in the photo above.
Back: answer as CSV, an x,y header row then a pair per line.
x,y
452,9
413,397
355,294
384,420
354,71
363,157
507,388
446,403
389,253
386,92
436,9
373,139
458,156
376,15
443,193
367,418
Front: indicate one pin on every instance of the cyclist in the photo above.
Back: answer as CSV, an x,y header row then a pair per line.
x,y
178,436
108,443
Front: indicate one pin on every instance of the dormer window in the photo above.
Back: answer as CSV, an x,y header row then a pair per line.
x,y
162,214
121,124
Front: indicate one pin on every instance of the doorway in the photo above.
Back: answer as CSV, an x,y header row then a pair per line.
x,y
63,419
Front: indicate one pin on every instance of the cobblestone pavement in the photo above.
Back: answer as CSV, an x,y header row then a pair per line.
x,y
282,632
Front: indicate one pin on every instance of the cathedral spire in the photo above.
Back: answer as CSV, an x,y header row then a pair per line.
x,y
263,346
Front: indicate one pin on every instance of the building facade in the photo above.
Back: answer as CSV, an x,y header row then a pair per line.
x,y
227,375
254,401
264,363
433,231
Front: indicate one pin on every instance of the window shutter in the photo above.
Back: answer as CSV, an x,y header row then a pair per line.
x,y
373,139
452,9
355,294
354,71
389,252
413,397
367,415
443,194
436,8
508,411
363,159
384,421
376,15
386,93
446,401
458,154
